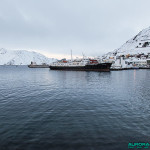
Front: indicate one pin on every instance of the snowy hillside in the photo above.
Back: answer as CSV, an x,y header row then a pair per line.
x,y
137,45
22,57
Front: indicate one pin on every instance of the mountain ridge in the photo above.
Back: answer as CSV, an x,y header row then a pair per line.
x,y
22,57
138,44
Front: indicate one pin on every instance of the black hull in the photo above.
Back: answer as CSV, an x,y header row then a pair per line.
x,y
103,67
38,66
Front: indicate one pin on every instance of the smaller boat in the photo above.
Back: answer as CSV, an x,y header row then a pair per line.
x,y
34,65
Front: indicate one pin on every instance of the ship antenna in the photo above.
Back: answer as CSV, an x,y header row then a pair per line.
x,y
71,54
83,55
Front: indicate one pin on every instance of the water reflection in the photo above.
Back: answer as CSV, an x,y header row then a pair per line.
x,y
43,109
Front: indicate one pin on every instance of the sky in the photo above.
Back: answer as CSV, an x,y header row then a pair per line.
x,y
55,27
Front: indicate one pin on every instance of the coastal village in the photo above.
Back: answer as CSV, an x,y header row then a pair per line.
x,y
122,62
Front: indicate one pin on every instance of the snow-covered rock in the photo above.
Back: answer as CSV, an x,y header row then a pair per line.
x,y
22,57
137,45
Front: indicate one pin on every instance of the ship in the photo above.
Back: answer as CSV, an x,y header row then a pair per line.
x,y
85,64
34,65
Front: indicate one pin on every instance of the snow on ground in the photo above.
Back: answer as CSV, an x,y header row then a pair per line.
x,y
22,57
135,45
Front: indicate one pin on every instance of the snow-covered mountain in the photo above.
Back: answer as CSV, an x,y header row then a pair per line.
x,y
22,57
137,45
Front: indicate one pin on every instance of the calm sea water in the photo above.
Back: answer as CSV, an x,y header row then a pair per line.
x,y
57,110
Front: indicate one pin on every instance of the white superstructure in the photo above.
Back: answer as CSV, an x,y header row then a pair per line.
x,y
75,62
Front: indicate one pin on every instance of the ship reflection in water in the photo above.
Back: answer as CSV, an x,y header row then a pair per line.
x,y
42,109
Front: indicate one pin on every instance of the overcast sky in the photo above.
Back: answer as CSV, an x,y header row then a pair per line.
x,y
54,27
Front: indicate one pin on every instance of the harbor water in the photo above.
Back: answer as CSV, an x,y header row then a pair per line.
x,y
42,109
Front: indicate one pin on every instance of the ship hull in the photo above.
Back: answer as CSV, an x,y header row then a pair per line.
x,y
38,66
103,67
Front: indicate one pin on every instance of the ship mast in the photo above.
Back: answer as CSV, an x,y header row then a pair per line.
x,y
71,55
83,55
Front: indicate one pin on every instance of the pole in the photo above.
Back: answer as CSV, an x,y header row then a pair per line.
x,y
71,55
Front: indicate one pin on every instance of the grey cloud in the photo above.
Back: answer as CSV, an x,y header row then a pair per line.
x,y
56,26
